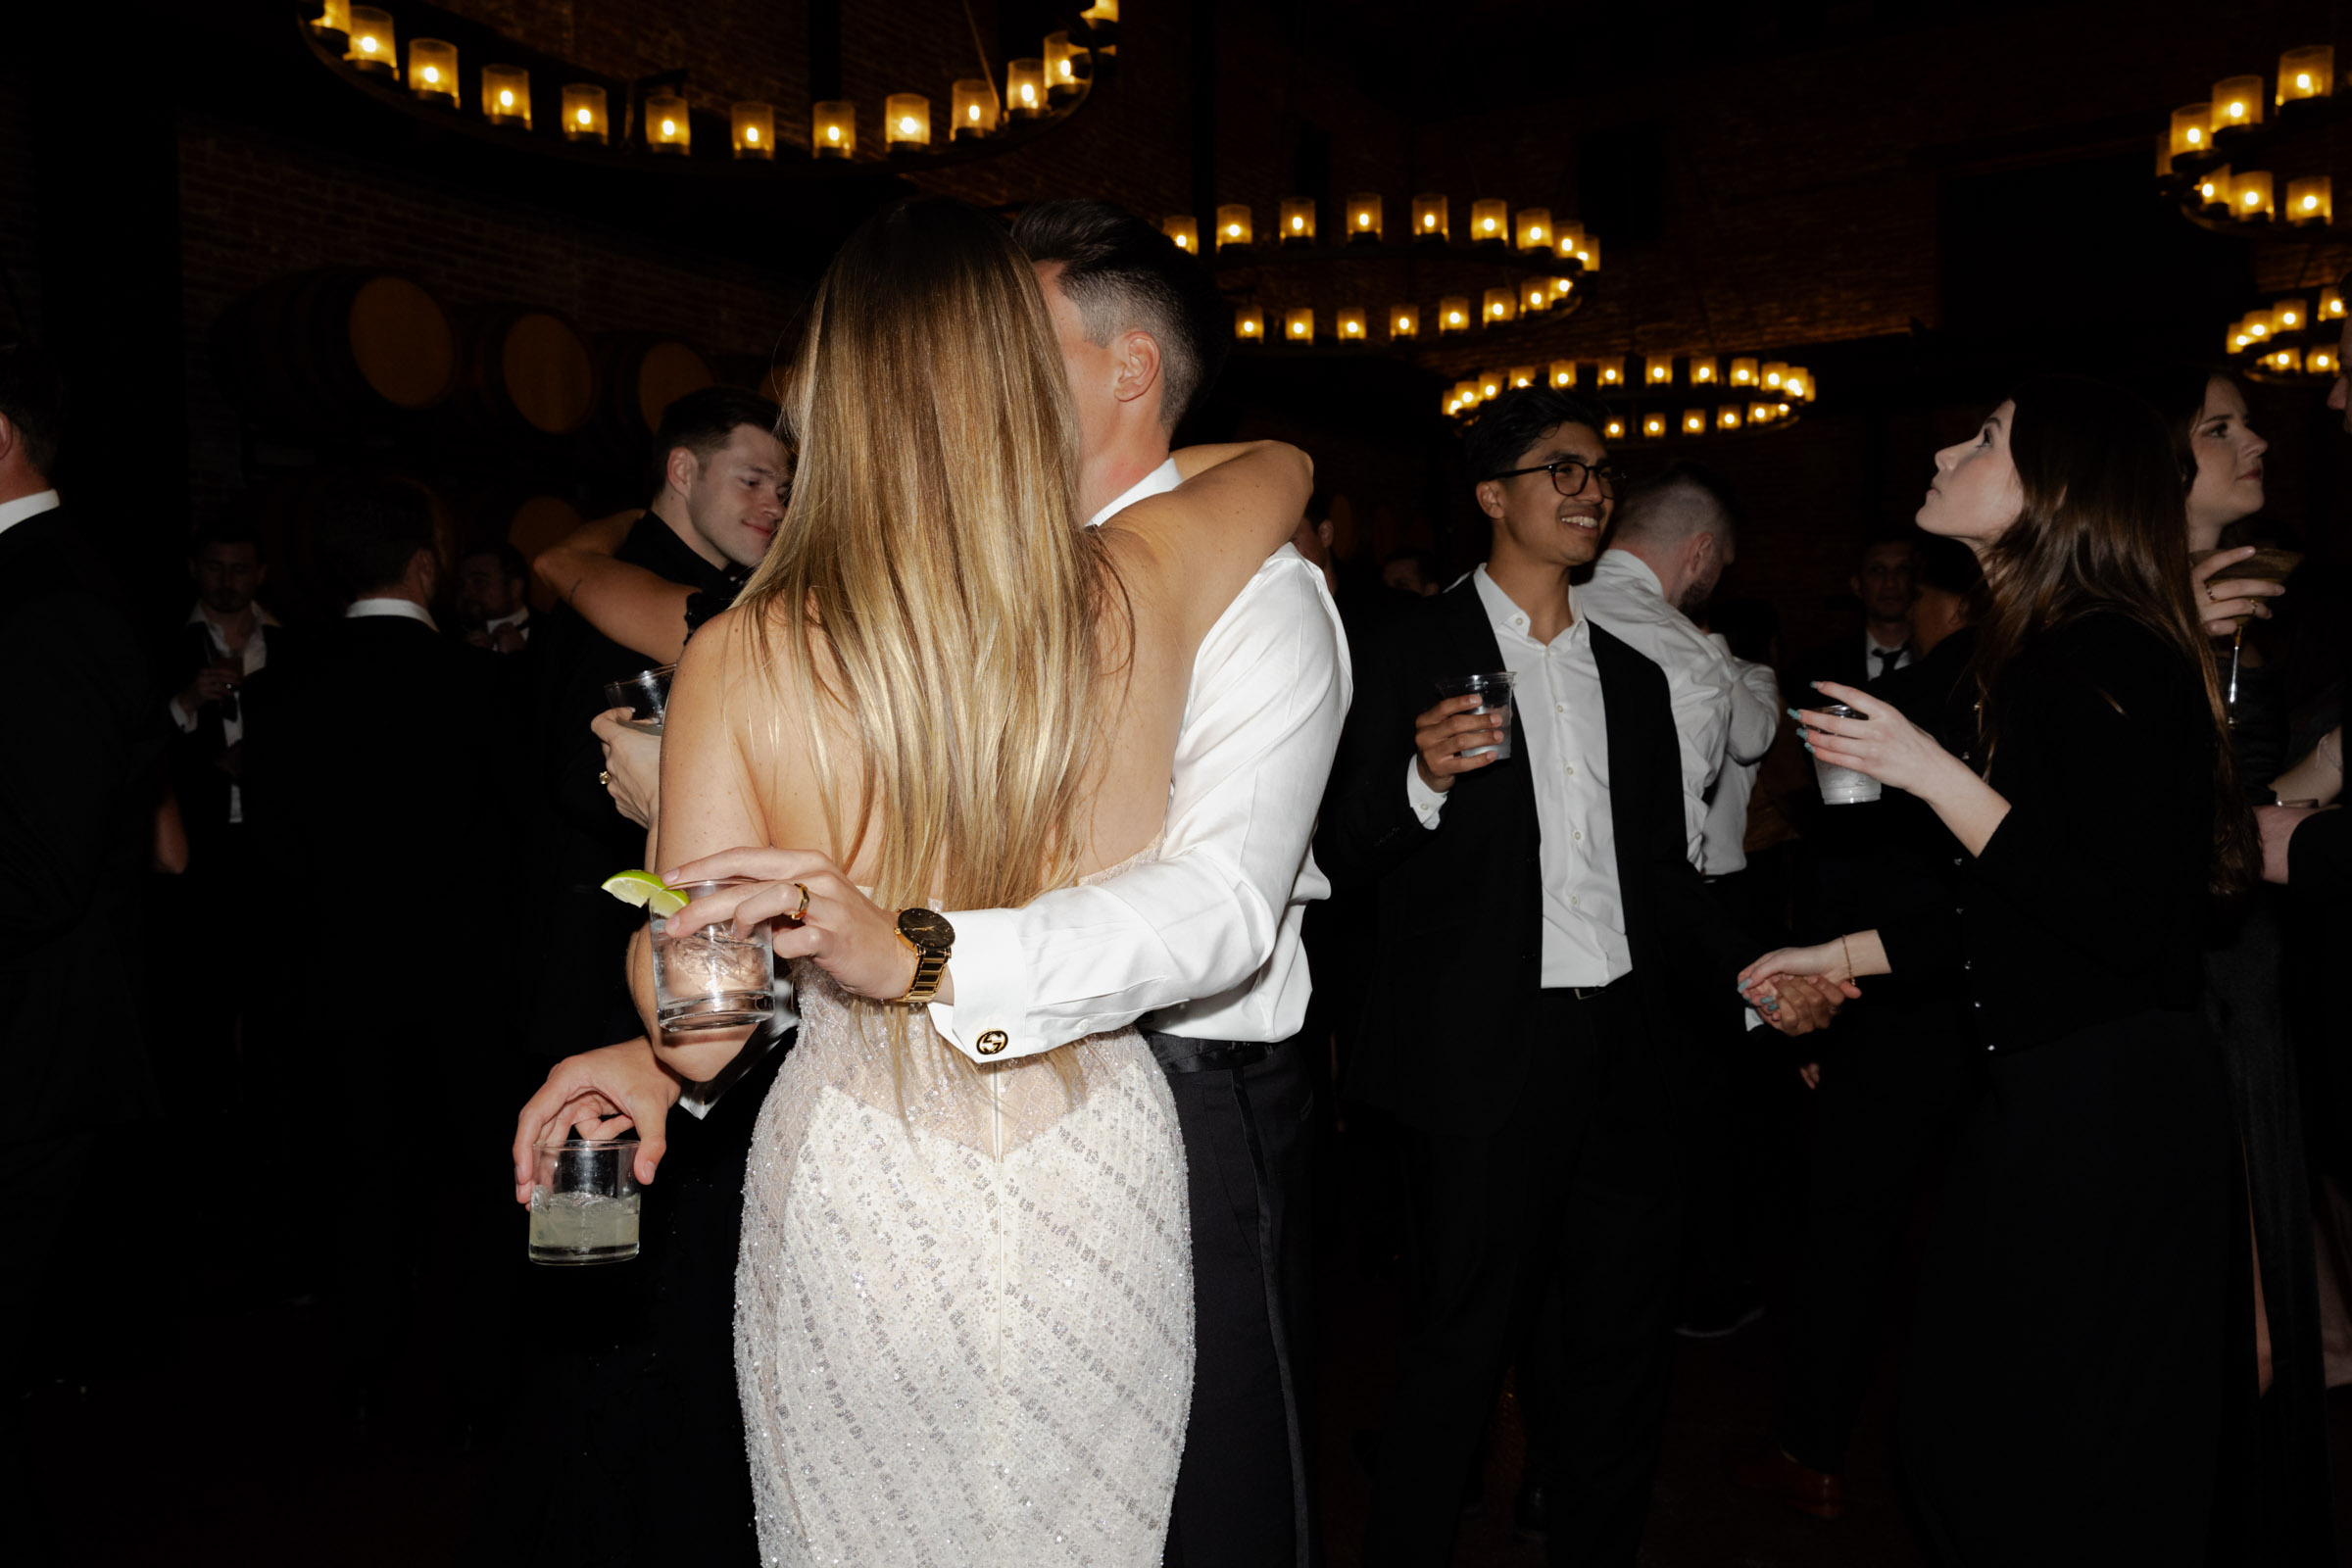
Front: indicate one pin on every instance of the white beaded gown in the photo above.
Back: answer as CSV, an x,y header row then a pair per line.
x,y
964,1307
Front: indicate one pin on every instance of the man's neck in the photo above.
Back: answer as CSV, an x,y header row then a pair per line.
x,y
1104,476
236,629
671,508
1536,587
1890,633
18,481
1662,571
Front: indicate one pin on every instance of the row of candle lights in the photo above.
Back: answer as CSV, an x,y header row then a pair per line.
x,y
1032,88
1454,314
2255,333
2199,129
1781,386
1492,223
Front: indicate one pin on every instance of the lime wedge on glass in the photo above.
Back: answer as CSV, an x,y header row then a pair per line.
x,y
647,891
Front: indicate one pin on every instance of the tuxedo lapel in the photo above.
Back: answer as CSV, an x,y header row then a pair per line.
x,y
1470,649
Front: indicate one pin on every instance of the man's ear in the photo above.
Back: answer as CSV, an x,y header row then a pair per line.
x,y
1854,583
680,471
1489,498
8,437
1137,369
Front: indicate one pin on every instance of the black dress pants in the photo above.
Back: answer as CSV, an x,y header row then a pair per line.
x,y
1247,1116
1582,1180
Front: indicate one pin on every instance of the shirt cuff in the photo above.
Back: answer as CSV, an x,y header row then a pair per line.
x,y
1427,803
182,718
987,952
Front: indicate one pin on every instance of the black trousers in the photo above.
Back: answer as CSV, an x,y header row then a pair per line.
x,y
1242,1488
1893,1095
1582,1181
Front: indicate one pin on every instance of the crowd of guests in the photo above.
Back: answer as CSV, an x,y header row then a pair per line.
x,y
1571,966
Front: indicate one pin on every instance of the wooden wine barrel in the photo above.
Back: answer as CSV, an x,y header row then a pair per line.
x,y
639,374
323,349
286,520
525,372
529,520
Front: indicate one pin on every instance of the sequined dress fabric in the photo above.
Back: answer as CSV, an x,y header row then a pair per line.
x,y
964,1320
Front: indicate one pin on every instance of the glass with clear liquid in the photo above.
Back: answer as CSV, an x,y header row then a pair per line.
x,y
713,979
584,1202
646,694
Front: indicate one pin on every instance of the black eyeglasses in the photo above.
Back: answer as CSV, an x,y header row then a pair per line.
x,y
1569,473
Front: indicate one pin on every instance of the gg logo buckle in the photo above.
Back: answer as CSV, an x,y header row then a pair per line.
x,y
993,1041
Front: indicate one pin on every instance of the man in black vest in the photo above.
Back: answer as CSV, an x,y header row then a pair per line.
x,y
1555,947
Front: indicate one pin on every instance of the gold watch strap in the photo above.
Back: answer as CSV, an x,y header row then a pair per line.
x,y
929,966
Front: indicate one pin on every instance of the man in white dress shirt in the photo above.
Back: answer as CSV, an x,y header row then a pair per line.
x,y
1200,942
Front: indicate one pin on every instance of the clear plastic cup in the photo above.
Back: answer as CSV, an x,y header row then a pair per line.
x,y
584,1202
713,979
1494,697
1842,786
646,694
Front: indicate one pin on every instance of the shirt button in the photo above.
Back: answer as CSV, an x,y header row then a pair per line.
x,y
1578,835
1559,708
1572,903
1956,860
1572,770
992,1042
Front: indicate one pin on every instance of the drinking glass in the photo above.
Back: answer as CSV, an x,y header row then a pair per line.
x,y
713,979
584,1200
646,694
1842,786
1494,693
2264,565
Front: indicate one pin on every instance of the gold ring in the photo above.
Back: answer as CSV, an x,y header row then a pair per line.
x,y
804,909
604,776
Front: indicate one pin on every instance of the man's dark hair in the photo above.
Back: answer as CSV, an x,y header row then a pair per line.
x,y
1121,271
1516,420
1650,509
1949,566
231,524
1908,541
704,420
32,395
370,530
510,563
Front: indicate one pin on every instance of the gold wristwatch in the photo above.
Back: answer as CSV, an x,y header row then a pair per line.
x,y
928,933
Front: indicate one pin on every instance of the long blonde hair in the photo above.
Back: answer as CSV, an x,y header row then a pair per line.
x,y
933,548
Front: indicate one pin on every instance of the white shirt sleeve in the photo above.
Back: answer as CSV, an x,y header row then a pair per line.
x,y
1427,803
181,717
1270,691
1755,707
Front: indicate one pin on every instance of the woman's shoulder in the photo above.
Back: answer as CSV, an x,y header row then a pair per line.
x,y
2120,659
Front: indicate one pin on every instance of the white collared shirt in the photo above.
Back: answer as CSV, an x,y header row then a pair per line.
x,y
1872,666
520,620
1717,718
1727,808
1556,690
15,512
410,607
252,656
1206,932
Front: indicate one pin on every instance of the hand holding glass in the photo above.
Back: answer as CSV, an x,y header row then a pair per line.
x,y
1494,693
584,1200
713,979
646,694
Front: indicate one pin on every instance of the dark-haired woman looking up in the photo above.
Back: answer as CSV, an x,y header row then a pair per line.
x,y
2065,1396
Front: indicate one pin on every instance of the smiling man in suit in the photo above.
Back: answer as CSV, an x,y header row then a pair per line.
x,y
1559,946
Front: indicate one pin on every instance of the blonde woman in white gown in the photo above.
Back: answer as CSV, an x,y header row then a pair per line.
x,y
964,1304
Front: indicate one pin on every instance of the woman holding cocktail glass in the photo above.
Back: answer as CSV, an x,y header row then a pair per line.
x,y
2065,1398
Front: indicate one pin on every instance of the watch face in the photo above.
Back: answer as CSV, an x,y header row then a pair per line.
x,y
926,928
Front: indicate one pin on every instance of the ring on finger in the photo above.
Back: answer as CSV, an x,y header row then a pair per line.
x,y
803,909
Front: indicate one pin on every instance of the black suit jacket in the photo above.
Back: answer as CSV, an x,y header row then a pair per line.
x,y
198,779
1448,1031
78,792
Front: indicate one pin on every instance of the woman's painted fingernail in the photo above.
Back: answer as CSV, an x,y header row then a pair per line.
x,y
1771,1003
1792,712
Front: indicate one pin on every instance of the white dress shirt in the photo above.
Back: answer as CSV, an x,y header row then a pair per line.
x,y
254,656
1204,937
1556,690
1873,666
520,620
361,608
1716,718
1726,845
15,512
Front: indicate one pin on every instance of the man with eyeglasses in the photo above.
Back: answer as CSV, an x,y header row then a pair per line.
x,y
1544,906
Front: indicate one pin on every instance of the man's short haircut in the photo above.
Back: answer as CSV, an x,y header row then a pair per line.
x,y
231,524
510,560
32,395
1670,505
704,420
1517,420
1123,274
372,528
1908,543
1949,566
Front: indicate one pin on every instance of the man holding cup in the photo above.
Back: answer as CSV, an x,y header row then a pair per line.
x,y
1541,897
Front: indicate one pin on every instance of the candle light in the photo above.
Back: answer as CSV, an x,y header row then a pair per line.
x,y
905,122
2311,200
1567,239
584,115
1490,385
507,95
372,41
1775,372
1249,324
2307,73
2214,189
433,70
2236,103
2292,316
833,128
1297,221
1466,393
2238,338
1350,325
1561,288
1613,372
1534,229
1658,369
1404,320
1613,430
1536,297
1798,383
1185,231
2331,305
2250,197
1743,373
2192,129
1430,218
1727,417
2257,326
1759,414
1588,251
1101,10
1653,426
1298,327
1490,222
972,106
1452,400
1233,225
2322,362
1363,217
1454,314
1025,88
666,127
1500,305
1702,373
2287,362
752,129
1780,410
1522,376
1563,372
335,17
1067,66
1694,422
